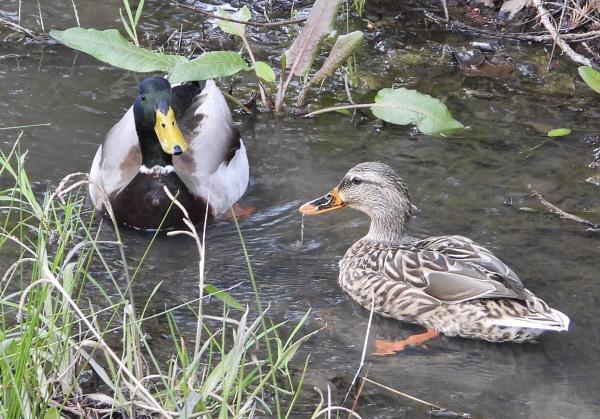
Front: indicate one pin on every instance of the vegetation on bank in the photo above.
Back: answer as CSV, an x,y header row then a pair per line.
x,y
397,106
58,355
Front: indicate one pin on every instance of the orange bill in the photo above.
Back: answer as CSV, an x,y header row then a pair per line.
x,y
328,202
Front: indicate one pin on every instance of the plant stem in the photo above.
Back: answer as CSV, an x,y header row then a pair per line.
x,y
339,108
237,102
303,92
280,90
263,96
260,310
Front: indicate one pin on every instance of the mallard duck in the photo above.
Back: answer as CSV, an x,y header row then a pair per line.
x,y
181,137
449,284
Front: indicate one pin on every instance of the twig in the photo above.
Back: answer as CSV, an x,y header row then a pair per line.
x,y
446,15
76,14
238,102
359,391
245,22
457,26
408,396
364,351
47,124
180,38
416,399
17,27
41,17
566,48
560,22
563,214
263,96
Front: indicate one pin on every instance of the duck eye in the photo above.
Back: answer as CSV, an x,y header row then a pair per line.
x,y
143,98
356,180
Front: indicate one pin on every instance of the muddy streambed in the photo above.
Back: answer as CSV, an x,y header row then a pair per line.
x,y
460,186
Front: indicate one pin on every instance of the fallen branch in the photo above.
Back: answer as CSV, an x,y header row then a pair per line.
x,y
566,48
563,214
359,390
457,26
17,27
244,22
435,409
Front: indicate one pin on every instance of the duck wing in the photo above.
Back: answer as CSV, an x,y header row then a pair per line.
x,y
215,166
439,276
117,160
466,251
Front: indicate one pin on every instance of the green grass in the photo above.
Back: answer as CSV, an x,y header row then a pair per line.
x,y
51,334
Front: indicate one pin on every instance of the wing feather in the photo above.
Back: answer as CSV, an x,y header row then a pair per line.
x,y
215,166
118,159
470,253
442,277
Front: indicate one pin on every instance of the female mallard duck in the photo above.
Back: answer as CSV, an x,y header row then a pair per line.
x,y
448,284
181,137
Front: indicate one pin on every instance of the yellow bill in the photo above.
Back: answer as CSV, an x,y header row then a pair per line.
x,y
168,133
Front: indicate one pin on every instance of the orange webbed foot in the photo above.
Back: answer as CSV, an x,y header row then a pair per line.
x,y
239,212
386,347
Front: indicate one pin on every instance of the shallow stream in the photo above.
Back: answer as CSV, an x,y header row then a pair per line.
x,y
460,186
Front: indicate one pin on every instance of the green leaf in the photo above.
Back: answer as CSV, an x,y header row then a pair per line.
x,y
128,9
8,347
558,132
52,413
232,28
264,71
223,296
320,21
110,47
340,51
209,65
591,77
138,12
403,106
126,26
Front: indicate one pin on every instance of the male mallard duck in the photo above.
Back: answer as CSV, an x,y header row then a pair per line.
x,y
448,284
181,137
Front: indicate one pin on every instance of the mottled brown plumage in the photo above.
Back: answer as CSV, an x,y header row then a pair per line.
x,y
446,283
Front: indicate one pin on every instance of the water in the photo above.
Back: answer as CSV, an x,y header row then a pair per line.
x,y
459,185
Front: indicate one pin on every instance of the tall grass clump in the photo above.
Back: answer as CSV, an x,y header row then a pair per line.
x,y
53,337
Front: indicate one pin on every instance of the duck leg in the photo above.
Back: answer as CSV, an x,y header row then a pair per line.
x,y
239,212
386,347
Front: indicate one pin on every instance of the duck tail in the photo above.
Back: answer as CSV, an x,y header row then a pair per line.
x,y
549,320
561,319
